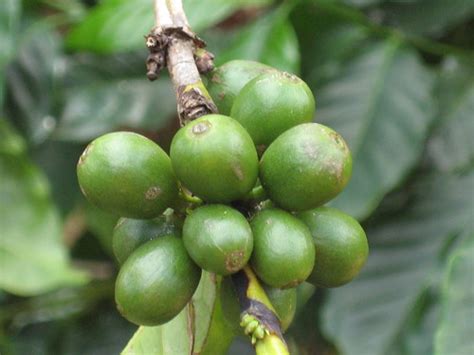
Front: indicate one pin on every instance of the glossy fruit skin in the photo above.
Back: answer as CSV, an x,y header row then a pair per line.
x,y
130,233
341,246
272,103
284,302
156,282
218,238
305,167
226,81
128,175
215,158
283,254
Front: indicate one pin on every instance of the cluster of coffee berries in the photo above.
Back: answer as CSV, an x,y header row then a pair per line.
x,y
244,187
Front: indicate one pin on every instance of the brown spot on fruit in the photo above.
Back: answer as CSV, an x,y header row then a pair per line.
x,y
290,76
84,154
233,261
338,139
201,127
216,79
310,150
291,284
336,170
237,169
152,193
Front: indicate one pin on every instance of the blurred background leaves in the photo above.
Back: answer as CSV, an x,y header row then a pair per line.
x,y
395,78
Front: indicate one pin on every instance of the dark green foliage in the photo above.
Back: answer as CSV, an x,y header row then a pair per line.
x,y
394,78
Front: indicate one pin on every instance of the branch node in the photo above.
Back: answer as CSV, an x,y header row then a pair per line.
x,y
204,60
193,102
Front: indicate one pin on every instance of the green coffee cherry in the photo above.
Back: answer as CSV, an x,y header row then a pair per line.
x,y
226,81
128,175
156,282
218,238
283,254
214,157
272,103
305,167
129,233
341,246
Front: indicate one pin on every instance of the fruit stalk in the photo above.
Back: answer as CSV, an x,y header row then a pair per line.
x,y
173,44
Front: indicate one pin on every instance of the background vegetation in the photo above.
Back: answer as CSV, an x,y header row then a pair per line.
x,y
395,78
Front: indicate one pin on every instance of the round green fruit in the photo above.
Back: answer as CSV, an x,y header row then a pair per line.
x,y
215,158
272,103
341,246
156,282
218,238
283,252
128,175
284,302
305,167
129,233
226,81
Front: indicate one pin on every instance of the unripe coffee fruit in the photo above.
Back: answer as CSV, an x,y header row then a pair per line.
x,y
218,238
215,158
283,254
305,167
130,233
272,103
156,282
341,246
128,175
226,81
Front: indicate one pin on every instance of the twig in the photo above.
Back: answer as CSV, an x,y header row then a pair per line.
x,y
172,44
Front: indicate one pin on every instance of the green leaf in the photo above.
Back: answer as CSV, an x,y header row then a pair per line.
x,y
368,315
9,19
99,107
58,160
192,331
418,335
270,40
381,103
33,259
10,142
175,337
203,303
332,40
100,330
102,225
428,16
362,3
454,334
119,25
451,147
366,3
31,82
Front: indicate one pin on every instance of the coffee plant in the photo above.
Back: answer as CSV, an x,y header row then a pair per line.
x,y
255,176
